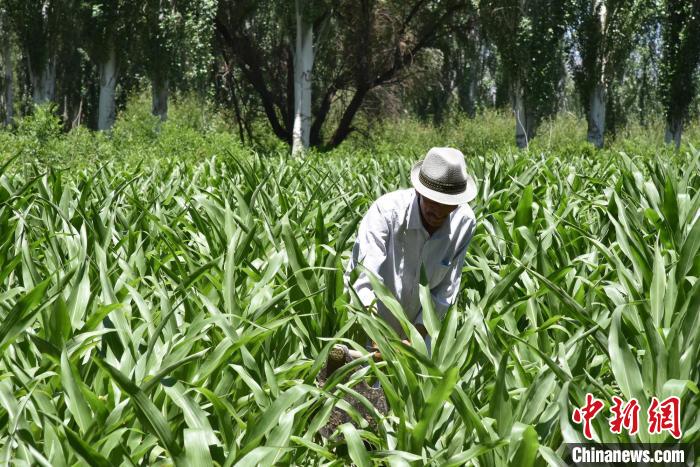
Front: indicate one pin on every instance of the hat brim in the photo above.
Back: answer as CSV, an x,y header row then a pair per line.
x,y
464,197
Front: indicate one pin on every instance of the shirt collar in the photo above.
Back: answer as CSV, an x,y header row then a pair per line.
x,y
415,222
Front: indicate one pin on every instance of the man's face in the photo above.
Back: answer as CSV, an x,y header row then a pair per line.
x,y
434,213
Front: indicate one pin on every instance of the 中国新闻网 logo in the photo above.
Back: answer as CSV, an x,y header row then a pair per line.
x,y
661,416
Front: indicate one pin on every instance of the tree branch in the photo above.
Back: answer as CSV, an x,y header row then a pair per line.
x,y
324,108
241,47
345,126
427,38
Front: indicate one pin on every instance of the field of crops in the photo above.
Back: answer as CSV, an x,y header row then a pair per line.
x,y
180,313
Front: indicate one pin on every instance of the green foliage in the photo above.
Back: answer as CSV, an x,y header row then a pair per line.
x,y
192,133
37,137
491,132
40,127
175,41
172,297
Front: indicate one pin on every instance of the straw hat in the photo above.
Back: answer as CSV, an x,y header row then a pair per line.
x,y
442,177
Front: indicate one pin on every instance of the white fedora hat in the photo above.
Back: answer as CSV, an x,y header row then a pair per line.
x,y
442,177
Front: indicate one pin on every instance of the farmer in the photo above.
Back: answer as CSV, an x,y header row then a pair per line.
x,y
430,224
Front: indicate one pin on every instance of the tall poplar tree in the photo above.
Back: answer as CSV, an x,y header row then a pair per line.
x,y
105,26
603,37
7,96
529,38
40,28
175,41
679,67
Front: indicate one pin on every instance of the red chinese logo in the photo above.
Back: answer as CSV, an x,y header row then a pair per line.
x,y
587,412
665,416
626,416
662,416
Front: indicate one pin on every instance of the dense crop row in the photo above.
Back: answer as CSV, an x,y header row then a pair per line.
x,y
181,314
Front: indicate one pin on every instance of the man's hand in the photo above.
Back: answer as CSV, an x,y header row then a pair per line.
x,y
377,355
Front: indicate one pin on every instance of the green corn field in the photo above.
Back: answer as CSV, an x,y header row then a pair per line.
x,y
180,314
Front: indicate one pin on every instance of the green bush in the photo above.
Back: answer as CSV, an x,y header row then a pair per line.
x,y
194,132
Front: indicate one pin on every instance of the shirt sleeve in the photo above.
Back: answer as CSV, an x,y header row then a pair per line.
x,y
369,250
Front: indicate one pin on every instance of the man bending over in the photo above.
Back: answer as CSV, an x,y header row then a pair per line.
x,y
431,225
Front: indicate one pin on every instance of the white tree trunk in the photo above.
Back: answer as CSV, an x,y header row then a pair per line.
x,y
674,130
521,124
108,84
303,64
44,82
596,115
159,98
596,100
471,112
468,98
78,115
8,93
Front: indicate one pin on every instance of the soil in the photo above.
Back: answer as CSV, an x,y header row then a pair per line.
x,y
338,416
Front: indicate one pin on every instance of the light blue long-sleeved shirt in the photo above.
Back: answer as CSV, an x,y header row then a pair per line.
x,y
392,243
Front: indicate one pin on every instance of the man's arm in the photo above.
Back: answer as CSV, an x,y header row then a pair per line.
x,y
445,293
369,250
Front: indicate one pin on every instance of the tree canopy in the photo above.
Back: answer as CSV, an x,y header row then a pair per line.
x,y
323,70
